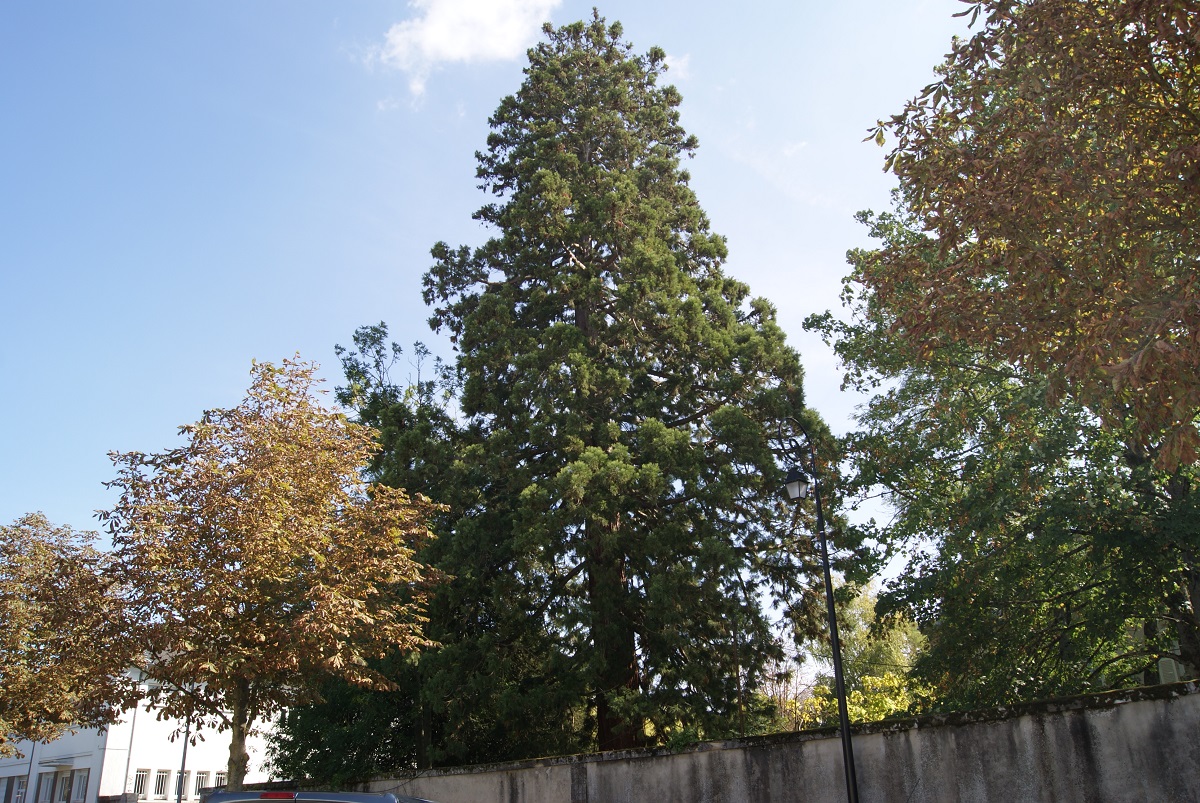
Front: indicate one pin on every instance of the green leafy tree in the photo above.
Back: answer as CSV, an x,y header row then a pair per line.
x,y
255,560
485,693
878,656
871,646
876,697
1039,539
60,667
352,733
619,390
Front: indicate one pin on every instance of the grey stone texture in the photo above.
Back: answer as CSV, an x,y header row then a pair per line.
x,y
1136,746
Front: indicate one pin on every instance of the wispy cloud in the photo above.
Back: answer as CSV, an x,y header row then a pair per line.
x,y
677,67
792,148
464,31
788,166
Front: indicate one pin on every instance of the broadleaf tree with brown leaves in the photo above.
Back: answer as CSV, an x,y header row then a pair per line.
x,y
256,560
1053,173
56,613
1057,163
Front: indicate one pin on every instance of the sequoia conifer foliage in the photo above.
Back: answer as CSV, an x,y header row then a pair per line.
x,y
620,392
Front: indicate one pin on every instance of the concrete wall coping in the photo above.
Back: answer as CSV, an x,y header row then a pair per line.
x,y
1060,705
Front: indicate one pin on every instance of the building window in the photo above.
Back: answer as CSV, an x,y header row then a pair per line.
x,y
81,785
160,784
63,784
19,791
139,784
220,779
201,782
181,784
45,790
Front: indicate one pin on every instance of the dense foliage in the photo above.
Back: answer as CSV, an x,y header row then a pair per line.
x,y
1057,163
57,623
352,732
878,656
1056,170
620,390
1040,541
254,561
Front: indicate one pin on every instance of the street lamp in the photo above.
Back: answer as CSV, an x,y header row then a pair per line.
x,y
798,483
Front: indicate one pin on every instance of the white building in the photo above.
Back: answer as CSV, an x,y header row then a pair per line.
x,y
133,761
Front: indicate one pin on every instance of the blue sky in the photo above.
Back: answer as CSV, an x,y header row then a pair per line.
x,y
188,186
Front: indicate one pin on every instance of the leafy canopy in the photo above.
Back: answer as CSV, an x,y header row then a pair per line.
x,y
255,560
1038,539
878,655
1057,163
58,664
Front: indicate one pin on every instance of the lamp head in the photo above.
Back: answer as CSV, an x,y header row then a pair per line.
x,y
797,484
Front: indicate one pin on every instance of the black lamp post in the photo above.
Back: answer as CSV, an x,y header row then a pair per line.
x,y
798,484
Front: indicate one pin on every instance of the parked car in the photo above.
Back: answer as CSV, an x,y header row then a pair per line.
x,y
252,796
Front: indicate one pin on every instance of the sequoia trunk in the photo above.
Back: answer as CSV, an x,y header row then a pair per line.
x,y
613,639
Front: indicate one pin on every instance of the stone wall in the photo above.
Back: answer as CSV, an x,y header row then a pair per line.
x,y
1140,745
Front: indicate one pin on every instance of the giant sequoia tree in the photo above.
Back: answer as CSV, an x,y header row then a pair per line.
x,y
620,391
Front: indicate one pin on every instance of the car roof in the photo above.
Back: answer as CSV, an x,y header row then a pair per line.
x,y
313,796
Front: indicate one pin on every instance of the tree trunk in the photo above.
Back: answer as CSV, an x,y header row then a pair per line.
x,y
239,726
613,640
1149,631
424,735
1188,622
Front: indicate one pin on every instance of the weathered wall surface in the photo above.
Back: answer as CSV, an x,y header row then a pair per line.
x,y
1134,746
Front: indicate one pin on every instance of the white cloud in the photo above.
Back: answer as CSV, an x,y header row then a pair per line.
x,y
677,67
465,31
793,148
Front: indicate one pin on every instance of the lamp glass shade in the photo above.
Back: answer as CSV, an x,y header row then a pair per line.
x,y
797,483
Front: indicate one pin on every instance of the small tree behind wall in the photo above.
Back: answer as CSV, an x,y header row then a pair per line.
x,y
257,561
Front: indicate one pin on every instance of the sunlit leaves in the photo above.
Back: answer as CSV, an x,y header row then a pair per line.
x,y
1056,163
255,560
59,665
878,697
